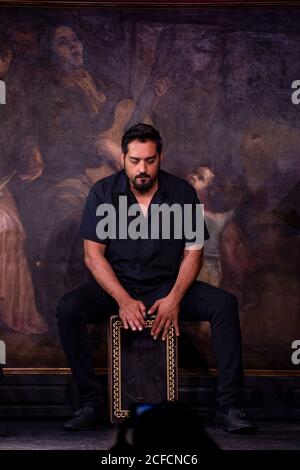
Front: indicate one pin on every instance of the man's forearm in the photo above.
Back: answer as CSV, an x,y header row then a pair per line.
x,y
106,277
188,271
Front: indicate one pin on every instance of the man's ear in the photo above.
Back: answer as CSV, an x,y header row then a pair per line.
x,y
161,156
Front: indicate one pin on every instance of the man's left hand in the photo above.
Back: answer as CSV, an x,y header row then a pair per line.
x,y
167,314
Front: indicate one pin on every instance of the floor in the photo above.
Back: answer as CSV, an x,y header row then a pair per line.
x,y
49,435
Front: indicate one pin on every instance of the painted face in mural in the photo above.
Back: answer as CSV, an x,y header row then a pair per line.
x,y
201,58
25,44
141,164
67,47
5,61
201,178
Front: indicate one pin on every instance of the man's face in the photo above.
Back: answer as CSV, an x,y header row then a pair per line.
x,y
4,64
67,47
141,164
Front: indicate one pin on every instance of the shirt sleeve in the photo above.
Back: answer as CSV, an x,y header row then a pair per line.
x,y
90,219
195,220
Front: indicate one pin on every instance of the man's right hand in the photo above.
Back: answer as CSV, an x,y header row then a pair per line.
x,y
132,314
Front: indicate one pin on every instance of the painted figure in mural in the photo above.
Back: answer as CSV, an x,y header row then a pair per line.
x,y
154,276
191,112
28,62
28,71
152,68
228,257
203,180
266,182
74,109
25,42
18,159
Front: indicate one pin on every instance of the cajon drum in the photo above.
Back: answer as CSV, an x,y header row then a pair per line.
x,y
142,370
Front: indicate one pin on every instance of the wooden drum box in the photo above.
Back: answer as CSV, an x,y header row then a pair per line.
x,y
142,370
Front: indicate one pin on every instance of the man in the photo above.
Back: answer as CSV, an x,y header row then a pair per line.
x,y
136,277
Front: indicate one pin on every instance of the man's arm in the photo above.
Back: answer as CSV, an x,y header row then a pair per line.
x,y
102,270
169,306
188,272
131,311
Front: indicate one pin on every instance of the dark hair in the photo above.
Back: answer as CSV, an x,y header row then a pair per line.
x,y
142,133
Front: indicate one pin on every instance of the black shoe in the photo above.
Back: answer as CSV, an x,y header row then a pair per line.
x,y
84,419
235,420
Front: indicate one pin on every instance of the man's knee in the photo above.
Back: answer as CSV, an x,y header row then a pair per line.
x,y
228,304
68,308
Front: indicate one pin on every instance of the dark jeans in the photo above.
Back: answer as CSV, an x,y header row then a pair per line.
x,y
89,303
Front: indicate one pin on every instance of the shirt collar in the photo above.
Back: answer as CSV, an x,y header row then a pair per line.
x,y
121,185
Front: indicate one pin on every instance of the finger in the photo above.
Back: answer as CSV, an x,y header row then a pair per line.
x,y
122,315
137,320
158,329
153,307
125,323
166,329
130,320
155,324
132,324
139,317
176,326
142,308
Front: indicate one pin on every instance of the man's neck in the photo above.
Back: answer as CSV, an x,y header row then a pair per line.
x,y
144,196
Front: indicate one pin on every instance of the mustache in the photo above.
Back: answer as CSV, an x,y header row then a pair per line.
x,y
142,175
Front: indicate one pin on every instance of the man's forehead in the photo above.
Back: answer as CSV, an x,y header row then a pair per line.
x,y
141,149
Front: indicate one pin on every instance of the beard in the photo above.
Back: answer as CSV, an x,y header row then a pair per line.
x,y
143,183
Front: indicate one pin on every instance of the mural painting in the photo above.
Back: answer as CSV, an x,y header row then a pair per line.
x,y
219,91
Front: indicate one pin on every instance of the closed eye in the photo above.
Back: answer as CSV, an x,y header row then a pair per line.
x,y
136,160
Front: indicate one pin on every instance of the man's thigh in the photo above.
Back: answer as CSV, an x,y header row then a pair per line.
x,y
201,301
90,301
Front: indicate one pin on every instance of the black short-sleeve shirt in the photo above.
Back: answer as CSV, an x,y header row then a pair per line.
x,y
142,263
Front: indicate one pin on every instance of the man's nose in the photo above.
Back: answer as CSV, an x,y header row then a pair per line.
x,y
142,167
